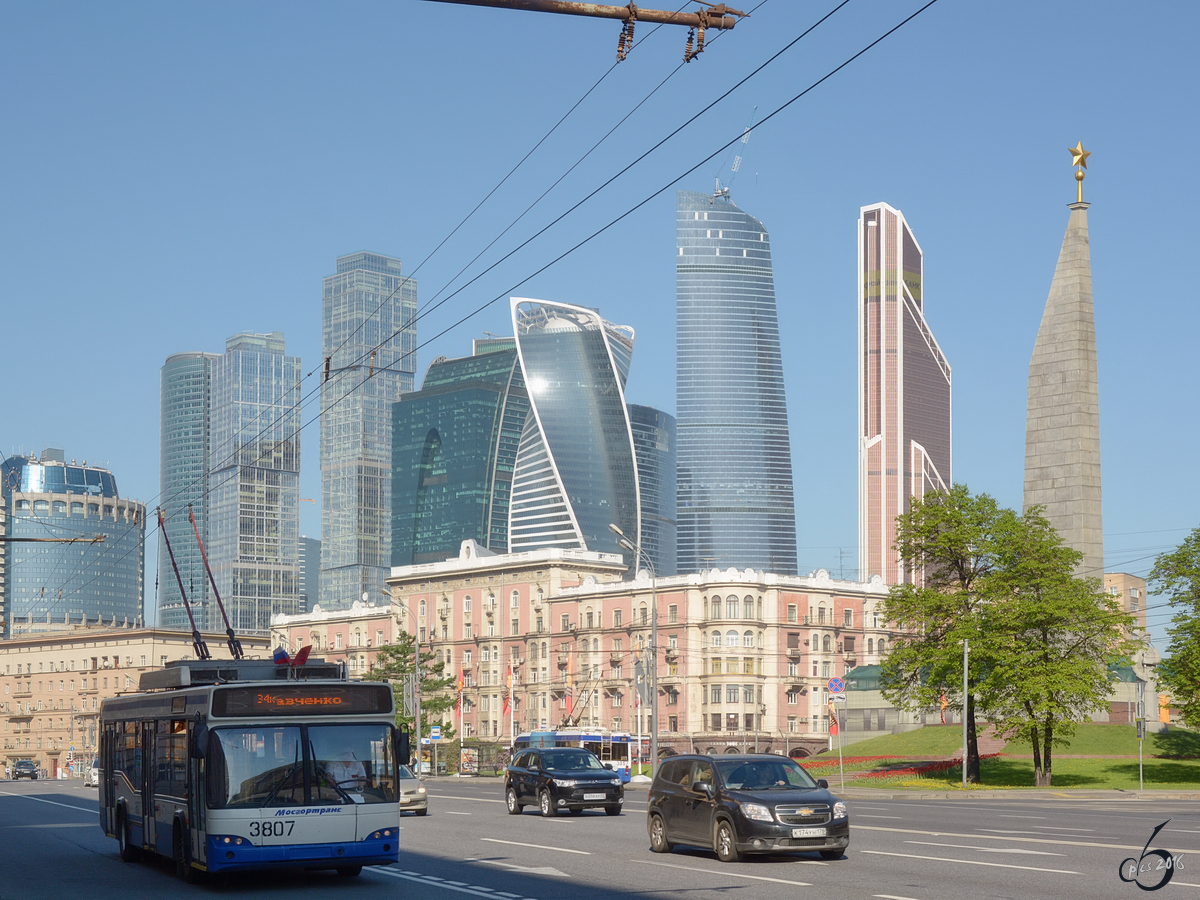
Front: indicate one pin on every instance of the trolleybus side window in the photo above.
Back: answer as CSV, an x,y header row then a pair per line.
x,y
170,757
129,753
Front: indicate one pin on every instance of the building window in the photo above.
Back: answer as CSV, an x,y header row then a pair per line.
x,y
616,618
848,618
793,697
566,622
672,723
731,693
870,645
825,670
791,724
645,616
337,641
826,644
445,632
716,721
731,608
467,605
590,619
672,669
672,614
794,669
716,693
748,639
748,665
516,627
731,638
748,608
848,644
515,600
716,667
791,615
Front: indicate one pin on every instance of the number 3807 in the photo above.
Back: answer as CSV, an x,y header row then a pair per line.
x,y
272,828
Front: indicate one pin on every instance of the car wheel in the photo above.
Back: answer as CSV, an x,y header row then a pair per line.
x,y
832,854
514,807
612,810
658,836
545,804
725,843
420,812
349,871
128,852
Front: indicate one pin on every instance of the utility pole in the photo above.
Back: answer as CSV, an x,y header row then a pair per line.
x,y
636,549
966,655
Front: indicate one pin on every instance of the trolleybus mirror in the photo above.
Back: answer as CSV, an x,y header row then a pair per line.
x,y
403,751
198,744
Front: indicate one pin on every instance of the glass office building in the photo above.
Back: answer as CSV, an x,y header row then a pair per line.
x,y
254,481
654,447
735,505
575,471
368,340
454,448
49,584
184,446
903,390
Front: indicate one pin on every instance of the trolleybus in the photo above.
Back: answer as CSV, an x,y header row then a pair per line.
x,y
616,749
245,764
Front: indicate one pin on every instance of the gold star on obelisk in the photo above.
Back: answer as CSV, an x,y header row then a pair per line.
x,y
1079,155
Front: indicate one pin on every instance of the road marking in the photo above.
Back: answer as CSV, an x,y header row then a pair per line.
x,y
1064,834
987,849
1185,884
456,797
1007,837
869,816
649,862
532,870
970,862
861,806
51,802
56,825
434,881
1003,816
892,897
455,812
537,846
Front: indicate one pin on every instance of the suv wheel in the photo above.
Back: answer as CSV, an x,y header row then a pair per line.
x,y
726,843
658,835
510,797
545,804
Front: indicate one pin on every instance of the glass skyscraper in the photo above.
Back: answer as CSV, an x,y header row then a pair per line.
x,y
68,583
368,340
184,447
903,390
254,481
654,447
736,506
454,448
575,471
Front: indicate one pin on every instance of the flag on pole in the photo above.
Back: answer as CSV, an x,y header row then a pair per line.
x,y
508,687
945,703
459,705
833,717
281,656
302,655
568,698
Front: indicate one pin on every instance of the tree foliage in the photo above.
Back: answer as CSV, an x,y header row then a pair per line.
x,y
1177,575
395,662
1041,640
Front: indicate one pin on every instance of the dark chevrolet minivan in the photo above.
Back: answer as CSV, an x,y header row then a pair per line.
x,y
735,804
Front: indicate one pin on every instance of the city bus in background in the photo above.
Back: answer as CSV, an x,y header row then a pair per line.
x,y
247,764
616,749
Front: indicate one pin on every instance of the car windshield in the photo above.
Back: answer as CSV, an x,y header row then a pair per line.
x,y
291,765
569,760
764,775
406,772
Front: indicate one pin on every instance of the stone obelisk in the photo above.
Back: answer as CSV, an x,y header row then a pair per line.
x,y
1062,427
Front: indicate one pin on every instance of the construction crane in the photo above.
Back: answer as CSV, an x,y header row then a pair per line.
x,y
738,150
710,15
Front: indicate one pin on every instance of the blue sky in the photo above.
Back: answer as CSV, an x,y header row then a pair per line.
x,y
173,174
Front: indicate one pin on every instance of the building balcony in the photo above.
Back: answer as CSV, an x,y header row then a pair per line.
x,y
793,652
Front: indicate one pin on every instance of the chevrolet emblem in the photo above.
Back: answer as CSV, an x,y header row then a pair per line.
x,y
805,811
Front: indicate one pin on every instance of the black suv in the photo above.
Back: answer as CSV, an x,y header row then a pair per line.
x,y
739,804
24,768
562,778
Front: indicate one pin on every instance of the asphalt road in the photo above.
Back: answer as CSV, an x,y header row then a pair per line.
x,y
1052,847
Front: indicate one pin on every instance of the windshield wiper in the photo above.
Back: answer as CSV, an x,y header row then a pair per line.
x,y
282,781
319,771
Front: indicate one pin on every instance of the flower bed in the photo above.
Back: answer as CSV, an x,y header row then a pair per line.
x,y
827,762
924,769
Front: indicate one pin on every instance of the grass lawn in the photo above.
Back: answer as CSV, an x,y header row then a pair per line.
x,y
930,741
1001,772
1099,739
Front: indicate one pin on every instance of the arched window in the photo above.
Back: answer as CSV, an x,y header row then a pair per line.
x,y
760,640
815,641
421,608
870,645
716,639
748,639
716,607
758,604
825,642
595,645
731,607
731,638
516,600
491,601
821,613
881,647
545,650
748,608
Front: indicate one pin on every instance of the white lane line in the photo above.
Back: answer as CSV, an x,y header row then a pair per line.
x,y
663,865
454,812
1064,834
435,882
869,816
51,802
537,846
862,806
1003,816
533,870
892,897
57,825
970,862
1006,837
456,797
1185,884
986,849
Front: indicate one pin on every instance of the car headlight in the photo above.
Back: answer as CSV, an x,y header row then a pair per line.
x,y
839,810
757,812
565,782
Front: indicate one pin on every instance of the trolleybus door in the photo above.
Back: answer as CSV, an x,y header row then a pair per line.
x,y
149,838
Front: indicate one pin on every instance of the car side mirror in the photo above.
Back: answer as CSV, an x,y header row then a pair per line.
x,y
822,783
703,787
609,766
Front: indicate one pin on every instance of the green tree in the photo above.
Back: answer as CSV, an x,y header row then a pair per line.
x,y
395,662
1055,638
1177,575
947,538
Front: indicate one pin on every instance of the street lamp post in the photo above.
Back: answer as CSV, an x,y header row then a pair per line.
x,y
636,549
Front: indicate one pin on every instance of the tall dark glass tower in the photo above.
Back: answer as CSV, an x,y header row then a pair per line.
x,y
736,505
454,447
654,445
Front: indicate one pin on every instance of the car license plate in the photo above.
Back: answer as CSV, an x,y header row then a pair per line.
x,y
808,832
601,797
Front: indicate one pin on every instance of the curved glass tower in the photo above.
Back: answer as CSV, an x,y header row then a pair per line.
x,y
575,469
736,505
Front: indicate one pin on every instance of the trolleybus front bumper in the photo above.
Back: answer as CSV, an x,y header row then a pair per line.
x,y
230,852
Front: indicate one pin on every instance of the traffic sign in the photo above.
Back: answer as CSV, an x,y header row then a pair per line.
x,y
435,732
836,685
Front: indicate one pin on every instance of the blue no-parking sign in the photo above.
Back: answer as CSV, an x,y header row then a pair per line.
x,y
836,685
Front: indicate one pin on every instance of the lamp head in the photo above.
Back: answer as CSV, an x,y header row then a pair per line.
x,y
615,529
626,544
